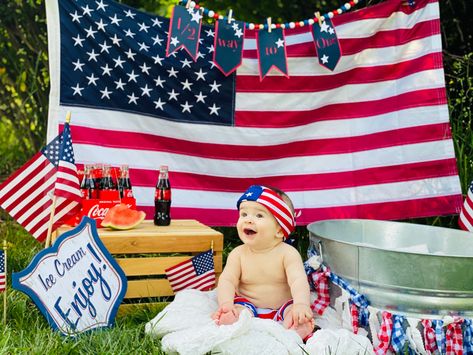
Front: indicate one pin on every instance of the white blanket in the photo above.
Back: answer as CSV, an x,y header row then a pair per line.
x,y
186,327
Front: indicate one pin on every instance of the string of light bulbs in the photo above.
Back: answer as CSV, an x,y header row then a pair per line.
x,y
252,26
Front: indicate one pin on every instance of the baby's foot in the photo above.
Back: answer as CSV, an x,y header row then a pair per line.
x,y
227,318
305,329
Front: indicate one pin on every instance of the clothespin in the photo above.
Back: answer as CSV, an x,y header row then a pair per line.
x,y
269,24
411,3
68,117
212,246
318,17
230,12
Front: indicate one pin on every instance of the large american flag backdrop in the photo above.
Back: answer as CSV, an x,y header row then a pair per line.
x,y
369,140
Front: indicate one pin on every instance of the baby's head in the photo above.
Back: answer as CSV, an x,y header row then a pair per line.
x,y
266,216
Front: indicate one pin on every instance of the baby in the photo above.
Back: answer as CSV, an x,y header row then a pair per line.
x,y
264,274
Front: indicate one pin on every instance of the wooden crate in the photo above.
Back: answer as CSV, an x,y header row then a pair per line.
x,y
136,251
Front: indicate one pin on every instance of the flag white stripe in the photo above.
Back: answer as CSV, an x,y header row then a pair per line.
x,y
109,120
34,209
47,185
192,280
465,221
364,28
396,191
19,180
396,155
27,187
59,213
255,101
375,57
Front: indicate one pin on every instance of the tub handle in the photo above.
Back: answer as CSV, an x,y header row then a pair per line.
x,y
320,252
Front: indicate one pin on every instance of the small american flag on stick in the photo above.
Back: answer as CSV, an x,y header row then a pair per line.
x,y
2,271
465,220
197,273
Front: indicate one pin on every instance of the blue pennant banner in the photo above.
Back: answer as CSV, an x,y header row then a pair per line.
x,y
326,44
271,52
228,45
184,31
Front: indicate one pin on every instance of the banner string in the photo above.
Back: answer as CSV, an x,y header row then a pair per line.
x,y
294,24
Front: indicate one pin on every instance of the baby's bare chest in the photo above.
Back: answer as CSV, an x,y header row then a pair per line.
x,y
262,269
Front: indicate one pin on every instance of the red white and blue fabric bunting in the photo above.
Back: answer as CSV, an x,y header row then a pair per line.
x,y
320,283
271,50
430,342
454,337
326,43
439,335
355,315
398,336
228,45
184,31
384,335
468,337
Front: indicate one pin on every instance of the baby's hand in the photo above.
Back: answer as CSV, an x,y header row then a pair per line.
x,y
226,314
300,314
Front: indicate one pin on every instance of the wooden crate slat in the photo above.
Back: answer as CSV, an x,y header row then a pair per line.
x,y
148,288
157,265
166,244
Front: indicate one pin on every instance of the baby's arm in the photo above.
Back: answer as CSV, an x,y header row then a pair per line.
x,y
227,286
300,290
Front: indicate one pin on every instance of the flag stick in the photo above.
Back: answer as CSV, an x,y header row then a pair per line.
x,y
50,223
6,283
53,206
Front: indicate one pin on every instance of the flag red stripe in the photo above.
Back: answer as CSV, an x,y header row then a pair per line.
x,y
177,277
10,187
385,210
38,189
465,213
280,84
192,281
355,45
427,97
384,174
313,147
380,11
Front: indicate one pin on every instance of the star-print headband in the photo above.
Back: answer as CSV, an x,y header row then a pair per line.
x,y
274,203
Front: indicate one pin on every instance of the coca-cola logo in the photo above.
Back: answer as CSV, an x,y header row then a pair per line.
x,y
97,212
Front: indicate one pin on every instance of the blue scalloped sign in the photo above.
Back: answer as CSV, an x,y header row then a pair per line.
x,y
75,283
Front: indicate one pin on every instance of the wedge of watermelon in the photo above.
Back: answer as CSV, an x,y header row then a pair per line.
x,y
122,218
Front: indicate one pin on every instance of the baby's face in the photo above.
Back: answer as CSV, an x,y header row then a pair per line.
x,y
257,227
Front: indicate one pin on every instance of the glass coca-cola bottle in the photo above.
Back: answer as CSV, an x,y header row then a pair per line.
x,y
87,183
109,189
97,176
162,198
124,183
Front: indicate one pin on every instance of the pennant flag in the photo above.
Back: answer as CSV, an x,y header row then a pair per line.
x,y
184,31
228,45
370,139
3,275
465,220
326,44
197,273
272,52
27,194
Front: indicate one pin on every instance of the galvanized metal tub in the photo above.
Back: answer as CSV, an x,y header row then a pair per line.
x,y
405,268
